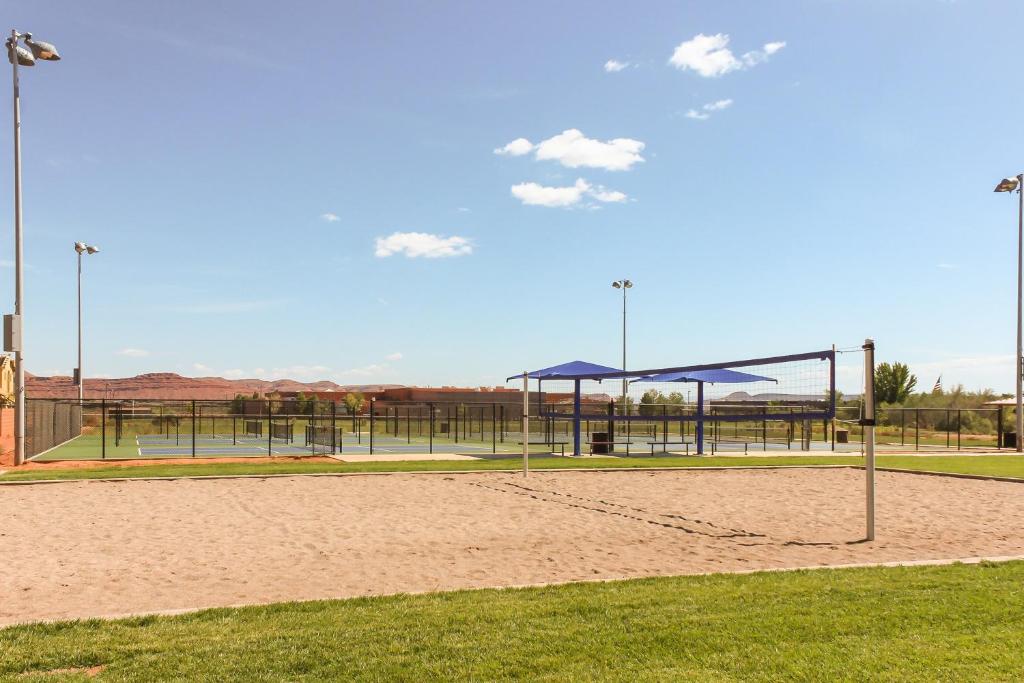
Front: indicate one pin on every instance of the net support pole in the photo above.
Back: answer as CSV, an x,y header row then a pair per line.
x,y
526,423
575,418
869,437
699,432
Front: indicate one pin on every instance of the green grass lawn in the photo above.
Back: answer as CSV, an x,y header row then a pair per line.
x,y
959,622
992,465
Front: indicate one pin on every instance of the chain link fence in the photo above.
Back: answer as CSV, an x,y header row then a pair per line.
x,y
49,424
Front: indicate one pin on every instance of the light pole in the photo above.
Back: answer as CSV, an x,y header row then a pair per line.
x,y
623,285
1011,185
19,56
81,248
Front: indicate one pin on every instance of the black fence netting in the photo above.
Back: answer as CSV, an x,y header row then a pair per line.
x,y
49,424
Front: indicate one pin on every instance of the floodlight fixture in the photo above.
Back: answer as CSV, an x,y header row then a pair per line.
x,y
1007,185
41,50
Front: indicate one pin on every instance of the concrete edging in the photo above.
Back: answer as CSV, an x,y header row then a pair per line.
x,y
277,475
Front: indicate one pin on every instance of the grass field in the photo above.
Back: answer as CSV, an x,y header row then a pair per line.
x,y
959,622
989,465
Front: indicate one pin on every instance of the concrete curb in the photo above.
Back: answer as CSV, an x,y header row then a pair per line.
x,y
212,477
955,475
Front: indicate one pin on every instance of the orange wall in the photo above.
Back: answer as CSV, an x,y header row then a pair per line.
x,y
6,436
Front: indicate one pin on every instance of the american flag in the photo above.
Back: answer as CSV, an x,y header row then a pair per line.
x,y
937,389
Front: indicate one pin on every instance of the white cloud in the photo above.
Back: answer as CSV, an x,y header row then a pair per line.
x,y
947,266
463,209
397,355
755,57
300,372
133,353
516,148
614,66
372,370
573,149
602,195
534,194
234,373
199,367
330,217
704,112
416,244
710,56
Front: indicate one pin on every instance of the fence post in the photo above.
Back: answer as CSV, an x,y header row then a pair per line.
x,y
947,429
494,427
270,429
335,445
958,416
103,429
430,407
373,409
193,429
999,427
917,429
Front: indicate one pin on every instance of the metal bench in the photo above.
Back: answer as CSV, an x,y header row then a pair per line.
x,y
611,442
663,444
552,444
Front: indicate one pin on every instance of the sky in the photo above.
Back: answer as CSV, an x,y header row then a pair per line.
x,y
443,192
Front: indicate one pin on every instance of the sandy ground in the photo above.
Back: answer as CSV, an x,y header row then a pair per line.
x,y
104,548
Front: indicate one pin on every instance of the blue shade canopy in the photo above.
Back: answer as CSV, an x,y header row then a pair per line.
x,y
716,376
576,369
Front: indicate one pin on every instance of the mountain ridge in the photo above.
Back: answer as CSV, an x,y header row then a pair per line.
x,y
169,385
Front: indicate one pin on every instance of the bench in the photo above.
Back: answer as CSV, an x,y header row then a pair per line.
x,y
552,444
613,443
652,444
715,445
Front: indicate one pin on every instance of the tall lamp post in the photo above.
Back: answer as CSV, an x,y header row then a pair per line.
x,y
1011,185
19,56
81,248
623,285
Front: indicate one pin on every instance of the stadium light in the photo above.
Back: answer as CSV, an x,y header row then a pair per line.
x,y
19,56
1010,185
41,50
623,284
81,248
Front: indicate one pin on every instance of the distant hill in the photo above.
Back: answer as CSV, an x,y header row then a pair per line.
x,y
170,385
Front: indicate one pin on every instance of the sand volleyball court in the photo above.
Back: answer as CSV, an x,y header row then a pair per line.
x,y
83,549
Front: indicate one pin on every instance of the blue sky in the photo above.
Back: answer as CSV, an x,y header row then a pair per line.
x,y
323,190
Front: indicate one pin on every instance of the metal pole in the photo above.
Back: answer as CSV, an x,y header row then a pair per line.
x,y
526,423
1020,304
869,436
625,383
80,378
19,367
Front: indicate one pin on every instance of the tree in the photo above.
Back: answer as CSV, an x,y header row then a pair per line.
x,y
354,402
893,383
238,404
